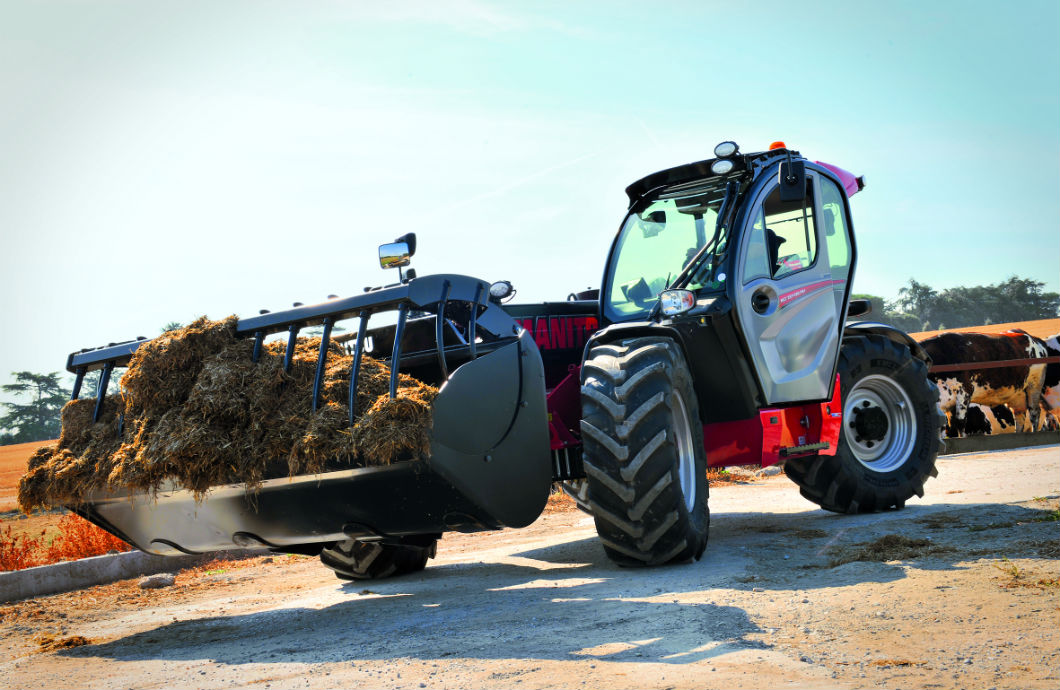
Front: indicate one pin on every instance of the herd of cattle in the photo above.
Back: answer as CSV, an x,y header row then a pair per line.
x,y
980,395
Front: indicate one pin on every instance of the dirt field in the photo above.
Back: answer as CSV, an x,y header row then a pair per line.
x,y
787,596
12,467
1042,328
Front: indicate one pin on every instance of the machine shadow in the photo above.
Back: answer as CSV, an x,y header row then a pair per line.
x,y
466,611
568,601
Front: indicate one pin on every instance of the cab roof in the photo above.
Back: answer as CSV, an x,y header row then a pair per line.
x,y
745,162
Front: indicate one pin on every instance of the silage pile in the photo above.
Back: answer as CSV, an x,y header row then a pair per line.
x,y
199,412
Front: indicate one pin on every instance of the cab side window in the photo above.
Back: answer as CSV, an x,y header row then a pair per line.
x,y
833,220
789,233
756,265
836,237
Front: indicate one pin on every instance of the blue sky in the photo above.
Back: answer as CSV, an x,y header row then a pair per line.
x,y
167,160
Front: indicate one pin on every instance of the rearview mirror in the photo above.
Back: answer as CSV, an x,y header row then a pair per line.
x,y
394,255
792,181
409,238
652,224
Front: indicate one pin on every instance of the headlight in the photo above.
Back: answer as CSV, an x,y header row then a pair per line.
x,y
721,166
501,289
726,149
674,302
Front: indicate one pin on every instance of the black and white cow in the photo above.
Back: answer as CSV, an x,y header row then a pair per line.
x,y
1018,387
987,420
1051,384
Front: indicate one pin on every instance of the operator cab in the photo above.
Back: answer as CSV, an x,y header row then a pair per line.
x,y
748,250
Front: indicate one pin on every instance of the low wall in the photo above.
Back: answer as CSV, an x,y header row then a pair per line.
x,y
983,442
98,570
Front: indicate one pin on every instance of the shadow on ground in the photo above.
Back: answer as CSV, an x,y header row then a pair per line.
x,y
567,601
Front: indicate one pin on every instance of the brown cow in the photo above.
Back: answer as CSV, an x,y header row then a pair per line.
x,y
1019,387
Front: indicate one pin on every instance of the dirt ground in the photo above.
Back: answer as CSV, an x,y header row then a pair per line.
x,y
786,596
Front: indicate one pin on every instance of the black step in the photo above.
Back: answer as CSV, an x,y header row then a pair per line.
x,y
799,450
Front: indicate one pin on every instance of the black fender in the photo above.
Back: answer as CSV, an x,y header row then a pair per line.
x,y
725,387
633,329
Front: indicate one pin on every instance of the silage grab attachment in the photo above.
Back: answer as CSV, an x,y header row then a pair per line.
x,y
488,465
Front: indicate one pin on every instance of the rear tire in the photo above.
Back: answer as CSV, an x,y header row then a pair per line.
x,y
890,434
643,453
361,560
578,490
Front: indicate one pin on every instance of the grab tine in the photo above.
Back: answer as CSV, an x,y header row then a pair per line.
x,y
472,322
101,390
362,327
259,338
78,381
439,330
322,358
292,331
395,357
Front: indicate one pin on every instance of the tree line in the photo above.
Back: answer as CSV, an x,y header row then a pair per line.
x,y
919,307
35,415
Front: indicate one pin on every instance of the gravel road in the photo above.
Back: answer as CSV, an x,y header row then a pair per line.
x,y
960,589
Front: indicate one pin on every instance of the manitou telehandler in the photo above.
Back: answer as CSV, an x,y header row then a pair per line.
x,y
718,337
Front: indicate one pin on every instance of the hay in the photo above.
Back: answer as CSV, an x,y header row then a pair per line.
x,y
890,547
52,643
195,410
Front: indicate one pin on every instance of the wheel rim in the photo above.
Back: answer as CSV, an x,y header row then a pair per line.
x,y
686,457
879,423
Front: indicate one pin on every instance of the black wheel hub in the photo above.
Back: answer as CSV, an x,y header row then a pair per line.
x,y
870,423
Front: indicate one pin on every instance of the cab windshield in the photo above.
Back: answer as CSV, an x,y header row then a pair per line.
x,y
658,240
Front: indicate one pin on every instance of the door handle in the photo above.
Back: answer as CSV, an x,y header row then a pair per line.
x,y
760,302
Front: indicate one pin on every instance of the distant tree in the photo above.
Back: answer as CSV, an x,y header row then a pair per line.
x,y
1016,299
172,326
1029,296
39,418
915,298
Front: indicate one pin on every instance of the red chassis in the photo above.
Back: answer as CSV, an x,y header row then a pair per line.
x,y
775,434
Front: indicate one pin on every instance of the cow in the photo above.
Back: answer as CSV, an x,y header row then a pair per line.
x,y
986,420
1051,384
1019,387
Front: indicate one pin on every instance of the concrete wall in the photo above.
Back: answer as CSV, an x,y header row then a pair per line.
x,y
98,570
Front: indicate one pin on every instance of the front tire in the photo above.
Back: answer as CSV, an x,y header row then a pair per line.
x,y
890,436
360,560
643,453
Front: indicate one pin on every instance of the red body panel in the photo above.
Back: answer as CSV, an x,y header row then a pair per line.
x,y
565,411
759,440
754,441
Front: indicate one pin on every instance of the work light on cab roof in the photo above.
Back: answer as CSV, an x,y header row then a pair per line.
x,y
724,152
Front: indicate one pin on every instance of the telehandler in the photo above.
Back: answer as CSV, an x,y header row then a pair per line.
x,y
719,336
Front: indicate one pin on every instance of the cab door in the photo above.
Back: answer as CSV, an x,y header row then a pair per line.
x,y
794,268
